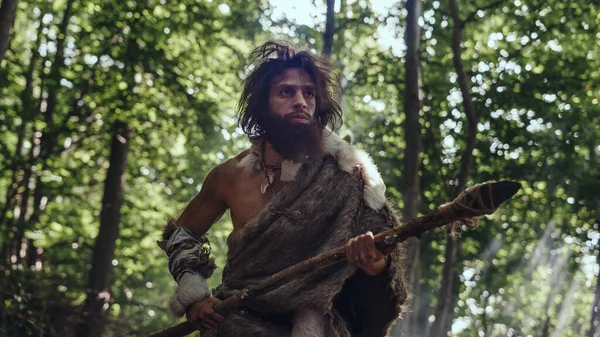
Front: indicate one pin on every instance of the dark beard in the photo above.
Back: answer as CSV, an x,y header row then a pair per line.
x,y
295,142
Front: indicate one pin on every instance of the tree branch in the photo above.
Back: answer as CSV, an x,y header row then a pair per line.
x,y
457,58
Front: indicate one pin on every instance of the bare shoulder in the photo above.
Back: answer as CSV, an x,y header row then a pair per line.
x,y
225,174
214,198
237,159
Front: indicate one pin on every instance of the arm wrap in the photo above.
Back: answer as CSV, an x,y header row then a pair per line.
x,y
189,263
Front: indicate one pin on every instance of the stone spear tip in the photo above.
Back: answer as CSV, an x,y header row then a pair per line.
x,y
488,196
483,198
504,190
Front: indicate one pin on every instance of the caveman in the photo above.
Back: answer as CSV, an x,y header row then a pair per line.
x,y
298,191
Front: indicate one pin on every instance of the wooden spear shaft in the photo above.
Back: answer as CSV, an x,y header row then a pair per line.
x,y
472,203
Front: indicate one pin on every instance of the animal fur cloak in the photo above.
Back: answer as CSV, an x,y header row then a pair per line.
x,y
329,201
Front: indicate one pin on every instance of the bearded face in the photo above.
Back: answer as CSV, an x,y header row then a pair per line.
x,y
291,127
298,142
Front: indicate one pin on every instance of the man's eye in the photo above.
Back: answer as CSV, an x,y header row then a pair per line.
x,y
285,92
310,93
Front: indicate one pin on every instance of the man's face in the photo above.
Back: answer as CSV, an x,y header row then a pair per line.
x,y
291,126
292,96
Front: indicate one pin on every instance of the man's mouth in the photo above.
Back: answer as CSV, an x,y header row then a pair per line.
x,y
298,118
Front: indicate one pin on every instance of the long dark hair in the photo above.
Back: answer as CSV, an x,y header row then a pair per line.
x,y
272,59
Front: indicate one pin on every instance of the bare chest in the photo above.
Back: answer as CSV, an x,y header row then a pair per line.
x,y
246,199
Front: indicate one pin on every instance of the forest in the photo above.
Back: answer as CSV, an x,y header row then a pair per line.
x,y
112,113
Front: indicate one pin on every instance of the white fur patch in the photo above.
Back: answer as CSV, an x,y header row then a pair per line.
x,y
192,288
308,323
289,169
252,161
348,157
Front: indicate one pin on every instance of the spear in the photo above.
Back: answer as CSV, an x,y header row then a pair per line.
x,y
479,200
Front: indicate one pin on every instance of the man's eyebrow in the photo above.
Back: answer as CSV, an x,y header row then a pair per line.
x,y
303,86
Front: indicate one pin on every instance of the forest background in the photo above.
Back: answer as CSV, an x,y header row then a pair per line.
x,y
113,112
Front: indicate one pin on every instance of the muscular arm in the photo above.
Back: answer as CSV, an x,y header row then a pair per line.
x,y
199,216
208,205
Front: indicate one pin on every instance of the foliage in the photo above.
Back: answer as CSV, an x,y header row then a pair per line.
x,y
172,71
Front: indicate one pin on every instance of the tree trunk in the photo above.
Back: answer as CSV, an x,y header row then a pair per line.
x,y
444,305
412,104
557,283
329,29
412,153
28,186
10,200
340,29
22,207
445,290
8,11
484,317
11,193
54,75
96,306
595,321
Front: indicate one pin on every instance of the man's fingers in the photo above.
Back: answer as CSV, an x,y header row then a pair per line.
x,y
356,251
202,314
197,322
373,251
191,316
197,326
370,242
217,318
362,248
210,321
215,300
349,254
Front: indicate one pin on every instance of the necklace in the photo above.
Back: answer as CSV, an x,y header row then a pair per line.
x,y
269,177
269,173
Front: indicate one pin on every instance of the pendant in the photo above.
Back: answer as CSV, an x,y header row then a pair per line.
x,y
271,176
264,185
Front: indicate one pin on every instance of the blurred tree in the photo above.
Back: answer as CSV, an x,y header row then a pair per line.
x,y
329,29
595,316
444,304
8,9
97,303
412,153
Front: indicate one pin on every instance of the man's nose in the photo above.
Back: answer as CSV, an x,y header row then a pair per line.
x,y
299,100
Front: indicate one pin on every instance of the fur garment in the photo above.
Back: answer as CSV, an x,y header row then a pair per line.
x,y
191,288
329,201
